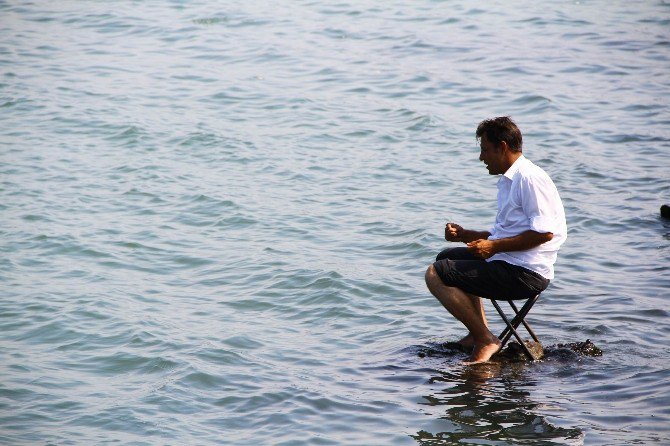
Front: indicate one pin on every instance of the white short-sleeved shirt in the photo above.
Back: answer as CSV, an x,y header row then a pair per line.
x,y
529,200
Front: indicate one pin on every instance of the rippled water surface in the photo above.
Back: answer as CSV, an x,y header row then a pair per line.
x,y
215,218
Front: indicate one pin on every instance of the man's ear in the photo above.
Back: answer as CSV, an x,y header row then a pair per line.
x,y
504,147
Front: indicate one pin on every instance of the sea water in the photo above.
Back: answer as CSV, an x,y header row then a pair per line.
x,y
215,218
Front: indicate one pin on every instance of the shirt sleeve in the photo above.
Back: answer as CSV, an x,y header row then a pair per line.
x,y
538,203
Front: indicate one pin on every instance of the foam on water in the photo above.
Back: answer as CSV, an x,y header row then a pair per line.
x,y
215,220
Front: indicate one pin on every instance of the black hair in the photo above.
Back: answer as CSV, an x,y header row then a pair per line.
x,y
501,129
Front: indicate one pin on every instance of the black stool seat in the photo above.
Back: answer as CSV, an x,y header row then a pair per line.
x,y
518,319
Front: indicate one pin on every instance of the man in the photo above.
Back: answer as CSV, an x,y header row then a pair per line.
x,y
515,259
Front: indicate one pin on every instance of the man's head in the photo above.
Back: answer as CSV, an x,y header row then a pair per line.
x,y
500,142
501,129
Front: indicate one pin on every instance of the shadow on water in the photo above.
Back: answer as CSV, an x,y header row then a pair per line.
x,y
490,403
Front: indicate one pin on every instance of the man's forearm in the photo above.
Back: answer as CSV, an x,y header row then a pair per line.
x,y
522,242
470,236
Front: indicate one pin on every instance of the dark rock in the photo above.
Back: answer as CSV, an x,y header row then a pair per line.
x,y
586,348
455,346
665,211
514,352
442,349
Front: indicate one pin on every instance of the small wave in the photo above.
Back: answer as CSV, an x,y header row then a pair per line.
x,y
129,136
126,363
610,138
531,99
70,247
12,103
203,381
243,342
211,21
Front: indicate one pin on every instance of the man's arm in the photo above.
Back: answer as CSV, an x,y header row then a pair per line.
x,y
522,242
456,233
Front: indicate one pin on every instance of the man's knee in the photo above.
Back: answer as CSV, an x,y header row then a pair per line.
x,y
433,279
431,275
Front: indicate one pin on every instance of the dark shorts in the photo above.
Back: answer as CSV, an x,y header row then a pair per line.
x,y
457,267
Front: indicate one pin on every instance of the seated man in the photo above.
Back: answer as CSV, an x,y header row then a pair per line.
x,y
516,258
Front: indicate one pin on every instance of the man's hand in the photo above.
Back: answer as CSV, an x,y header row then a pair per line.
x,y
454,232
481,248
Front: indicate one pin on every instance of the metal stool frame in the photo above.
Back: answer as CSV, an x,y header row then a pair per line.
x,y
518,319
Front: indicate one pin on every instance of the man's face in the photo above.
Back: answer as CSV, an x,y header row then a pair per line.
x,y
492,156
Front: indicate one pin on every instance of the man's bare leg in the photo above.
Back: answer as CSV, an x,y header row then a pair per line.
x,y
460,305
478,306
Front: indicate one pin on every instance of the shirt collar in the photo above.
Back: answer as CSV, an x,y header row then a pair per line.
x,y
514,168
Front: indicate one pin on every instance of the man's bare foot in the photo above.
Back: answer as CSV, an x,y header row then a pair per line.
x,y
483,352
467,342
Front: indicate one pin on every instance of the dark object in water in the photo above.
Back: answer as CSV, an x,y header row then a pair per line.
x,y
445,349
456,346
513,351
586,348
665,211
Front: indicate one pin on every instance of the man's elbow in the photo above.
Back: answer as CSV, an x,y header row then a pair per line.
x,y
547,236
541,237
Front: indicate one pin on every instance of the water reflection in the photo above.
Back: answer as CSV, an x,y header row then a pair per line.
x,y
489,404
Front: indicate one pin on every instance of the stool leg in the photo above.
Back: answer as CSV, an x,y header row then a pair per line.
x,y
525,324
513,330
519,317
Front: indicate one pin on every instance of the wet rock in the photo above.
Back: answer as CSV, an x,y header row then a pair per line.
x,y
455,346
511,352
443,349
586,348
514,352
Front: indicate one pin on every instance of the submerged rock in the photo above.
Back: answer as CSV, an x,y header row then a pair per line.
x,y
444,349
514,352
511,352
586,348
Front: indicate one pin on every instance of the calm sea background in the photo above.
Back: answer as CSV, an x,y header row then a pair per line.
x,y
215,218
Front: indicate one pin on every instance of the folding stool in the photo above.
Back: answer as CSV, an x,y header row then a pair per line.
x,y
518,319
